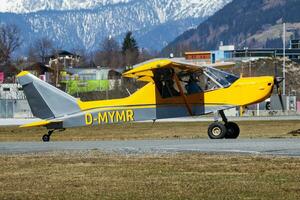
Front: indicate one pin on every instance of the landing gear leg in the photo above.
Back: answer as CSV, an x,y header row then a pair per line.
x,y
46,137
224,118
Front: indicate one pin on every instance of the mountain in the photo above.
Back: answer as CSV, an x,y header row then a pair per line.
x,y
28,6
83,24
244,23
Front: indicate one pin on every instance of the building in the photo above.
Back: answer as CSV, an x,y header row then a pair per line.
x,y
13,103
77,80
1,77
293,53
101,73
204,56
295,44
207,57
64,57
40,70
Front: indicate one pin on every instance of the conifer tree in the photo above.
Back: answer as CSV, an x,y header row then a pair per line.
x,y
130,50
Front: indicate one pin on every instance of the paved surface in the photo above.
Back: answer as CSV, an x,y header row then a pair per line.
x,y
283,147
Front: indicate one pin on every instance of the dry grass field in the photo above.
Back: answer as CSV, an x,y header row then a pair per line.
x,y
162,130
93,175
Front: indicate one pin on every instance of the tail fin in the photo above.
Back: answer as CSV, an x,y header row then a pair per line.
x,y
45,100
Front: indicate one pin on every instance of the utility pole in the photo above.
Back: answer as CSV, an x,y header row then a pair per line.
x,y
283,69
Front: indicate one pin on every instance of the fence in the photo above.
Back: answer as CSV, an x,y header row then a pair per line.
x,y
14,108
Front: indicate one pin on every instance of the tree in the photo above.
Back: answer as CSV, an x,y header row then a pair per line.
x,y
145,55
42,48
32,56
130,50
57,67
109,54
10,40
83,57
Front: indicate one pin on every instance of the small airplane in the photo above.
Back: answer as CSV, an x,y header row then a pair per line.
x,y
173,87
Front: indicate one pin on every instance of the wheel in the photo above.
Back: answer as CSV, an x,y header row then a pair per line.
x,y
233,130
46,138
216,131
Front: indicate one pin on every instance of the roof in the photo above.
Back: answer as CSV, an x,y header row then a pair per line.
x,y
62,53
101,73
197,52
38,66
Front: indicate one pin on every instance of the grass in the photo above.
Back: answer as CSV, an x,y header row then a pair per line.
x,y
249,129
93,175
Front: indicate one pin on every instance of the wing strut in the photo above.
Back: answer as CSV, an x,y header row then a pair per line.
x,y
188,106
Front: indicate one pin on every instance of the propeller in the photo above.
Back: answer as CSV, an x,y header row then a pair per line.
x,y
277,81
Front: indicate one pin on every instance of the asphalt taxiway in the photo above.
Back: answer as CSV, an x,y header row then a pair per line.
x,y
279,147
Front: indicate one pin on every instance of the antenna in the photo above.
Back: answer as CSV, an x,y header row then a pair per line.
x,y
283,70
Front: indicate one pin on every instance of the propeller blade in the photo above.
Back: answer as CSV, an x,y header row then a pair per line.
x,y
281,102
277,81
275,70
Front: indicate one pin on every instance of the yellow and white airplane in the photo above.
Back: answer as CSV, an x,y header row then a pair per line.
x,y
173,88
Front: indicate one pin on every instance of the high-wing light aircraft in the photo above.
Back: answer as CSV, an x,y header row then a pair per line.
x,y
173,88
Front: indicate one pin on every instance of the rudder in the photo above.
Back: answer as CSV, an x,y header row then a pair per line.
x,y
45,100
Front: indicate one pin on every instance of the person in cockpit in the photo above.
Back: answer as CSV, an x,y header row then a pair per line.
x,y
192,86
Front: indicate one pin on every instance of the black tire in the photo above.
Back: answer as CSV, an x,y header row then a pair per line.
x,y
233,130
46,138
216,131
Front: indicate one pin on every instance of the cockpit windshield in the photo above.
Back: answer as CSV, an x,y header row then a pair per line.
x,y
224,79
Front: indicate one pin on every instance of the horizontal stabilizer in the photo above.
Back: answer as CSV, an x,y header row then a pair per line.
x,y
48,124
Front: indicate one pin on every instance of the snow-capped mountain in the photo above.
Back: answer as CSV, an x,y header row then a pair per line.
x,y
84,23
28,6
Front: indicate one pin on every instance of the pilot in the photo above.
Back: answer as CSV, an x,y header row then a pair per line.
x,y
192,87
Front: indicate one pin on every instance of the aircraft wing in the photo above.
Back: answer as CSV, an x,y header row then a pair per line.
x,y
146,68
220,65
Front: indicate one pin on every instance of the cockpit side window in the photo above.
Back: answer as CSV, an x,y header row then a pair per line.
x,y
196,82
191,81
165,83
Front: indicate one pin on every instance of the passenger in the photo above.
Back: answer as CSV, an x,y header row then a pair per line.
x,y
168,89
164,82
172,90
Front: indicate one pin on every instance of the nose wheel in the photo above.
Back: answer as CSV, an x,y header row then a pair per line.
x,y
228,130
46,137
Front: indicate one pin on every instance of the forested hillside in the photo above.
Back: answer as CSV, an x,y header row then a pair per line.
x,y
247,23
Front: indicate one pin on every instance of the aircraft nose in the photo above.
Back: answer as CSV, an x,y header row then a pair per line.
x,y
266,83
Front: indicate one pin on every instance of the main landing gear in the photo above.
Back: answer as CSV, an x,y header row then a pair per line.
x,y
229,130
46,137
